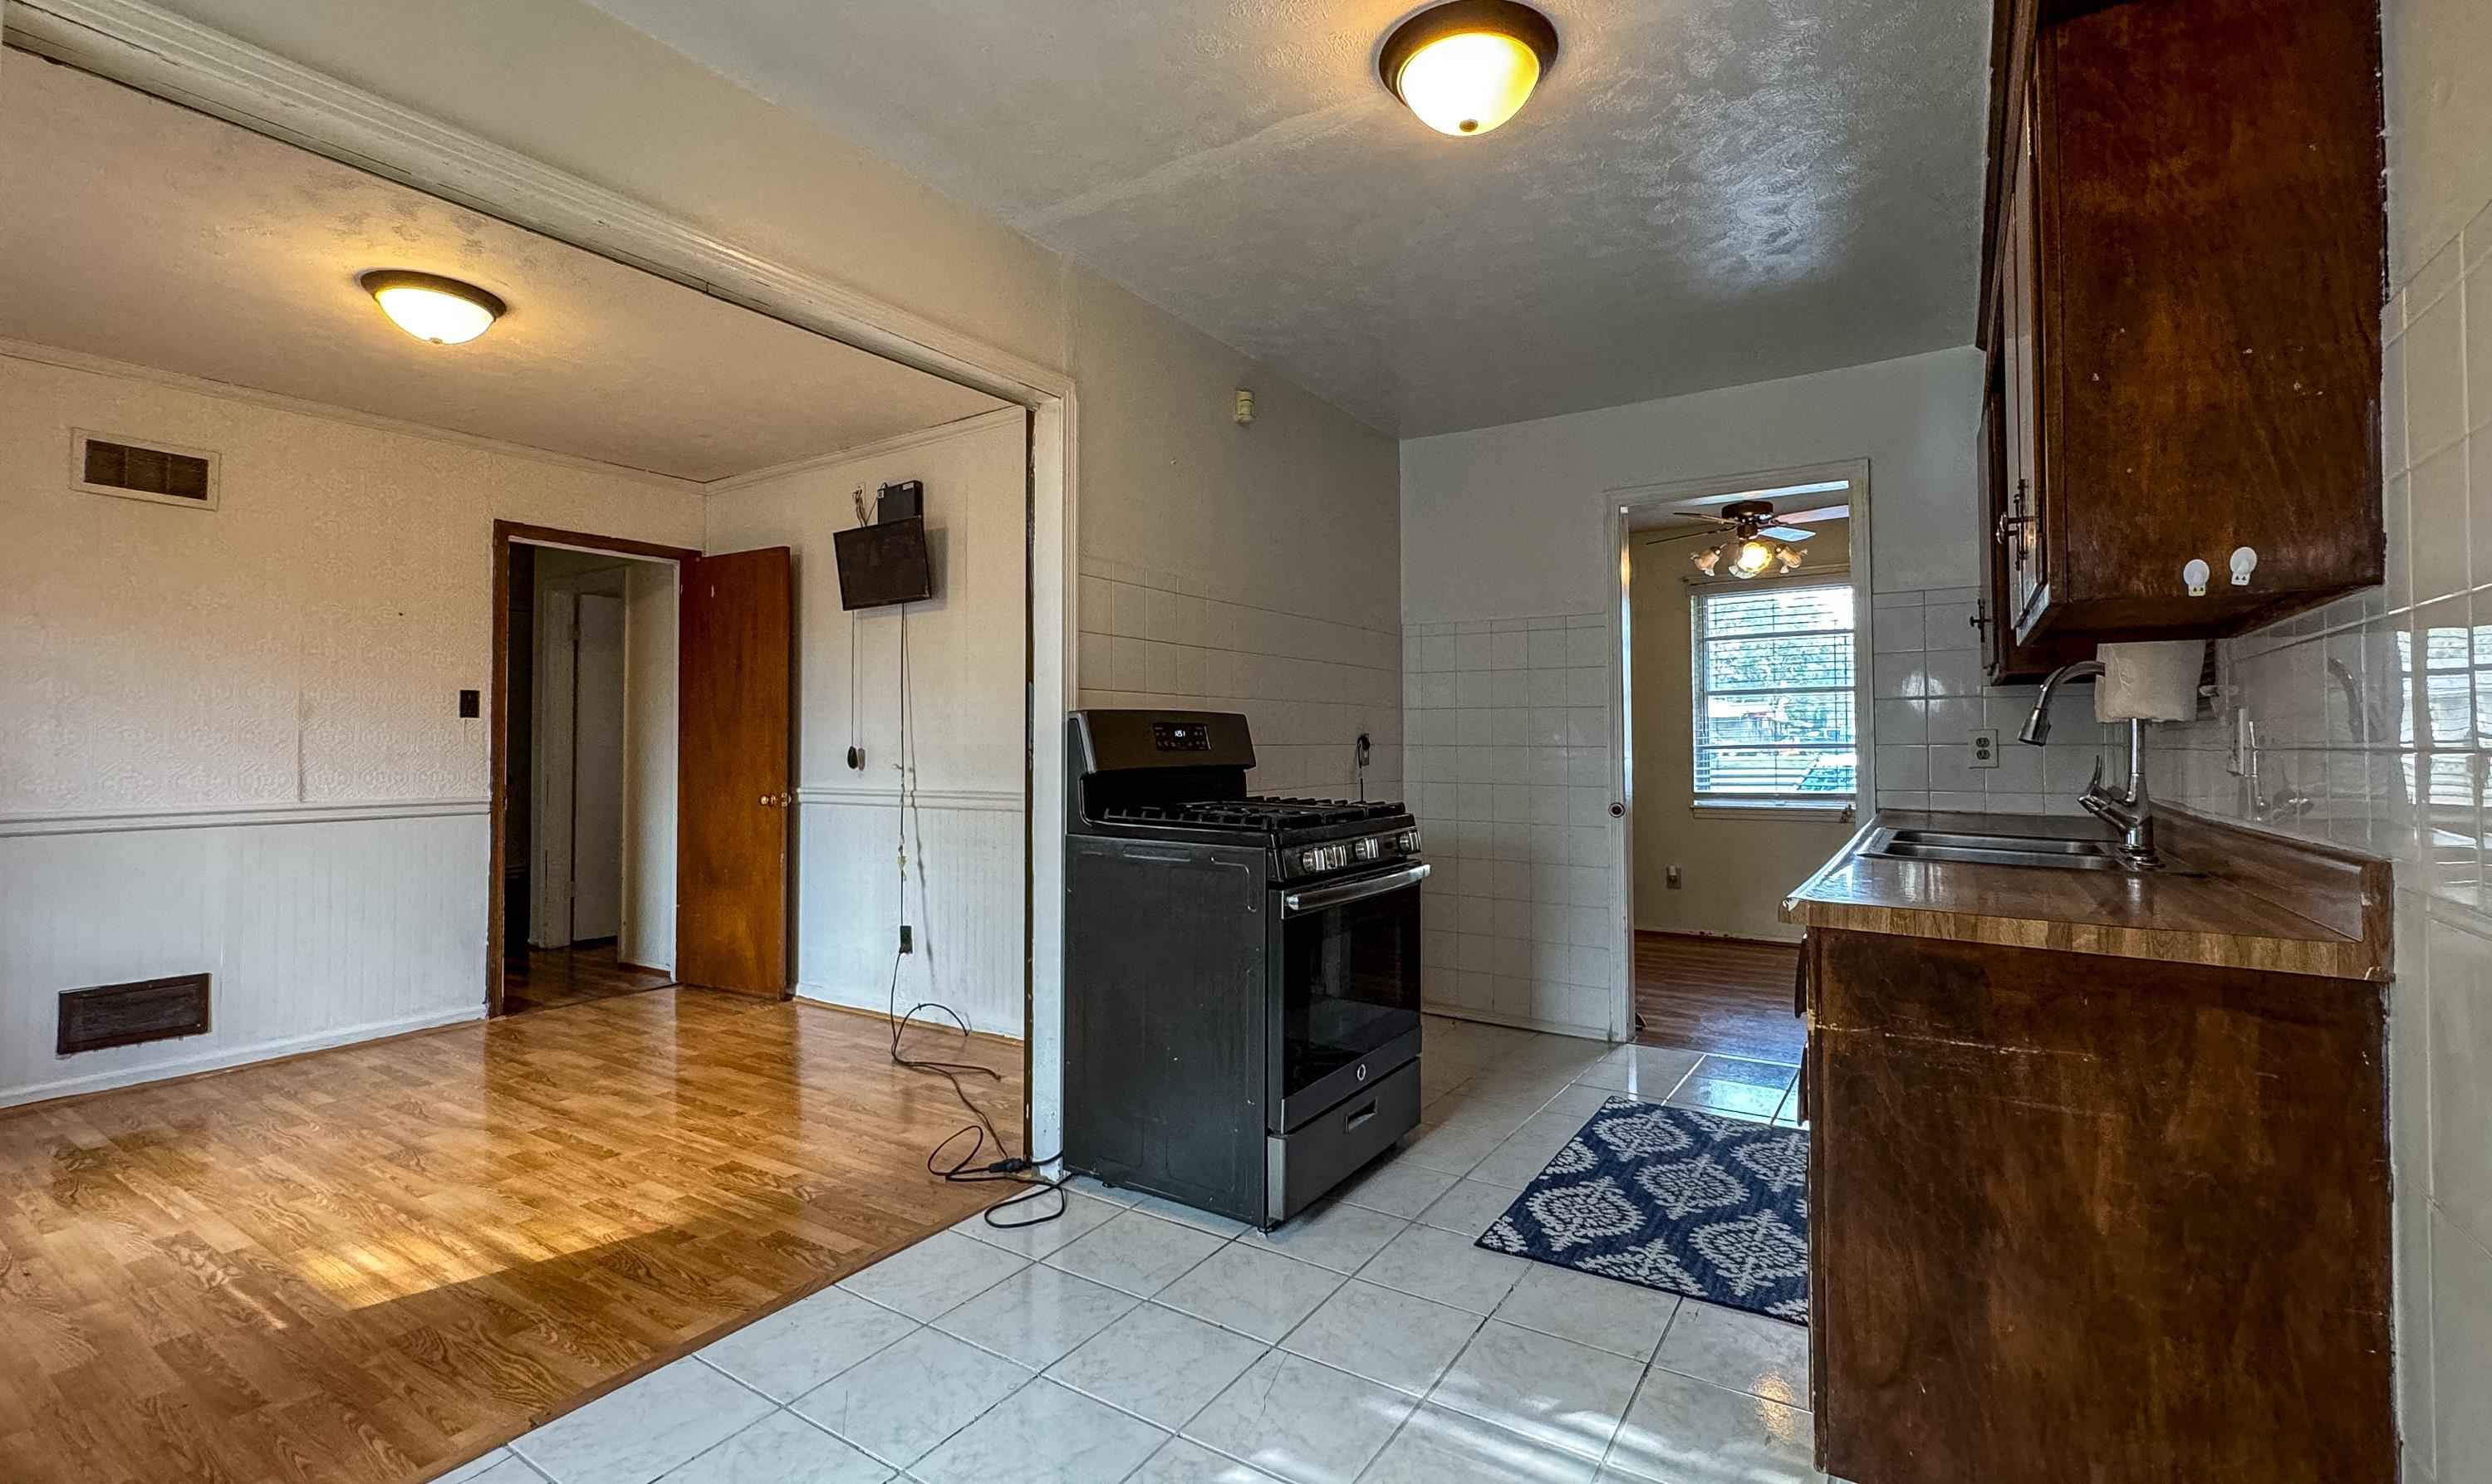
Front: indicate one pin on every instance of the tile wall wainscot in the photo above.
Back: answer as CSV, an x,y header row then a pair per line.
x,y
1511,776
1512,772
2373,719
1925,676
1308,687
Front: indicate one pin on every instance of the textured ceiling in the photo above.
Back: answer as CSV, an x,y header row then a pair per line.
x,y
1703,192
138,230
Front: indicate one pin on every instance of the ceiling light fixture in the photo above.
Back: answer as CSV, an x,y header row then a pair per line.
x,y
1466,65
443,312
1754,548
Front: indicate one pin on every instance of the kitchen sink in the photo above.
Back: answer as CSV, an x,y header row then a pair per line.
x,y
2048,852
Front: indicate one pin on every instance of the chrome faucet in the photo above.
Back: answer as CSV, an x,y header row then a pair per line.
x,y
2130,811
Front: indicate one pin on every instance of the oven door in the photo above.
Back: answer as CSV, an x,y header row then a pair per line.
x,y
1345,987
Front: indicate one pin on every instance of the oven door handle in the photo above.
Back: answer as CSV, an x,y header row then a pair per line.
x,y
1317,899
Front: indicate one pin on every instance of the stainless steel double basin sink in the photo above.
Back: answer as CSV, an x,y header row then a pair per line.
x,y
1962,847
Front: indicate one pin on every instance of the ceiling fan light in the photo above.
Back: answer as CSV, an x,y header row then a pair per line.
x,y
1755,554
1708,559
1467,66
439,311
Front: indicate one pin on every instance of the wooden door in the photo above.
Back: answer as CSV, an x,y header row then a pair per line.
x,y
734,797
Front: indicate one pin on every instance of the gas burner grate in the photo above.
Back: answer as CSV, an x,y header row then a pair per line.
x,y
1265,815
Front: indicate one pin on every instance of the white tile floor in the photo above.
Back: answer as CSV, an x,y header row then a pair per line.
x,y
1368,1341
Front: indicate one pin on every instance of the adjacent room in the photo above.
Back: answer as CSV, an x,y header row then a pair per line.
x,y
1473,741
349,637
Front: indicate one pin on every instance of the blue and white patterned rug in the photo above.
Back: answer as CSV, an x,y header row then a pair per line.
x,y
1699,1203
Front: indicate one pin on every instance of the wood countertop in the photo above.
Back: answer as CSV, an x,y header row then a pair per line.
x,y
2230,897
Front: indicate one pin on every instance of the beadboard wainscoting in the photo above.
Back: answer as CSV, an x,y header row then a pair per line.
x,y
1511,774
320,923
1308,687
966,912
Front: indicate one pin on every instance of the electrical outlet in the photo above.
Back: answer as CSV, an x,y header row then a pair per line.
x,y
1670,878
1985,747
908,938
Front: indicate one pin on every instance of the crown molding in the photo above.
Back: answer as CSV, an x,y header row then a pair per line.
x,y
175,57
940,432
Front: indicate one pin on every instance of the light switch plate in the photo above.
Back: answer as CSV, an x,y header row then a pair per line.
x,y
1985,749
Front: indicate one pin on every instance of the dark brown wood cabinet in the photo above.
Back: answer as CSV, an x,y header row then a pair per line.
x,y
2183,268
2078,1216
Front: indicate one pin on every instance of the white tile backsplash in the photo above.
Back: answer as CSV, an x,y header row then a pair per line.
x,y
1931,699
1307,686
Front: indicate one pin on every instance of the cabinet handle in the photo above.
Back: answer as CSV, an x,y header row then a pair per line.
x,y
2009,523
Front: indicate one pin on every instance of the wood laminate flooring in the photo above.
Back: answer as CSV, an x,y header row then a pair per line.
x,y
375,1263
573,976
1722,995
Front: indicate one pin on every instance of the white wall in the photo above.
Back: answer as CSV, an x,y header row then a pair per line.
x,y
1734,870
1508,529
649,690
965,661
1236,569
2350,742
292,659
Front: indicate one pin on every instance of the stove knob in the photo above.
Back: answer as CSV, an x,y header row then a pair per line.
x,y
1368,850
1310,860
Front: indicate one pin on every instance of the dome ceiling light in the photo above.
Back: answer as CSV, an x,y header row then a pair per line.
x,y
439,311
1466,65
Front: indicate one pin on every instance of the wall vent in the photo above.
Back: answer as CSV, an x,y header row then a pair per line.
x,y
126,1014
167,475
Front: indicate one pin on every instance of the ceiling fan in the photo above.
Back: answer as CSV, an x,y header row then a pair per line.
x,y
1758,541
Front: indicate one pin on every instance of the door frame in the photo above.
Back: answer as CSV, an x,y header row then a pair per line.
x,y
198,66
1624,503
506,534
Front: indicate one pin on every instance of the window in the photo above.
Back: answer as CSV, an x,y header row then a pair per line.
x,y
1774,719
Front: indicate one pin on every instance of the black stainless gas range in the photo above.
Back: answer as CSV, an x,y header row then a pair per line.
x,y
1242,974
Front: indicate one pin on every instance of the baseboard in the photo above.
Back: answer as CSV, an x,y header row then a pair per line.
x,y
823,995
1520,1022
231,1057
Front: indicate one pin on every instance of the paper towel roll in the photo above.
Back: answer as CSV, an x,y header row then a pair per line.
x,y
2155,681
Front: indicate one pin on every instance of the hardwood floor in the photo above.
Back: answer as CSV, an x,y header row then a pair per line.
x,y
375,1263
574,976
1715,995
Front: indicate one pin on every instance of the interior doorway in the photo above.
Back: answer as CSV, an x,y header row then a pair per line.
x,y
585,736
1746,725
589,870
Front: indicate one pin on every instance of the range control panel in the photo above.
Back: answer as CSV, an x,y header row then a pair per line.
x,y
1342,854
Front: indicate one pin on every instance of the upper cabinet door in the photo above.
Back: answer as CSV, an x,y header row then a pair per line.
x,y
2021,530
2188,251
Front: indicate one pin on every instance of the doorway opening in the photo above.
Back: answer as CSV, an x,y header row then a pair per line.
x,y
584,771
588,872
1745,724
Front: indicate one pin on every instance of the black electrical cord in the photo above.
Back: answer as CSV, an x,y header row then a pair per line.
x,y
965,1170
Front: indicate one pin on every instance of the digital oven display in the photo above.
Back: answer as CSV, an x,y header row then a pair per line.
x,y
1181,736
